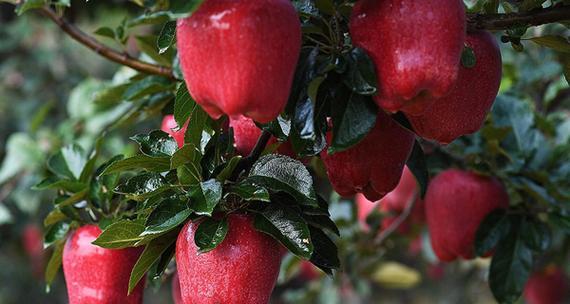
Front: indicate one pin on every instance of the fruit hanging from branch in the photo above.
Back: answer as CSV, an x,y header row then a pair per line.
x,y
239,57
373,166
548,286
170,126
97,275
456,204
416,48
246,134
463,111
242,269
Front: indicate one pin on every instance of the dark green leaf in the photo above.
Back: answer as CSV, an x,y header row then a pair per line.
x,y
188,154
286,226
250,192
140,186
210,234
185,6
166,37
325,254
137,162
121,234
55,233
491,231
418,165
205,196
361,75
28,5
156,144
68,162
105,32
536,235
54,262
322,222
228,169
147,86
54,182
353,118
166,216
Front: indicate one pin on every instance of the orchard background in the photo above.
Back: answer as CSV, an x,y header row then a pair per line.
x,y
67,113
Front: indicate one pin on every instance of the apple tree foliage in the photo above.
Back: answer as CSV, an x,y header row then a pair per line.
x,y
144,196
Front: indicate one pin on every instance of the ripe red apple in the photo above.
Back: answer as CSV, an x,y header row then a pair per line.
x,y
33,243
456,203
98,275
549,286
246,134
238,57
243,269
394,203
374,165
463,111
308,271
415,45
170,126
176,294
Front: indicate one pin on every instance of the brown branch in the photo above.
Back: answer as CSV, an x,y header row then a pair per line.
x,y
105,51
506,21
384,234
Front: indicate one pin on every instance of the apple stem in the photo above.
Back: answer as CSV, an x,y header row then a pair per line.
x,y
247,162
105,51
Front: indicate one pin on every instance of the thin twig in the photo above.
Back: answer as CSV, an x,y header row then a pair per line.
x,y
384,234
507,21
103,50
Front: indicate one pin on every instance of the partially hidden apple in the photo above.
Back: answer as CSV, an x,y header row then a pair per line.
x,y
549,286
394,203
463,111
246,134
243,269
456,203
98,275
374,165
238,57
308,272
415,45
176,294
170,126
33,243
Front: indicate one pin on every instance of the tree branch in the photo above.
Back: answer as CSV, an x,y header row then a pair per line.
x,y
384,234
246,162
103,50
506,21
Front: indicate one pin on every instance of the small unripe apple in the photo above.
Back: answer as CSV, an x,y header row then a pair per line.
x,y
415,45
456,203
463,111
394,203
170,126
549,286
374,165
238,57
243,269
246,134
98,275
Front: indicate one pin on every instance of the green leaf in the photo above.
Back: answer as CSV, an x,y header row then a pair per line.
x,y
54,182
166,216
111,96
28,5
561,221
557,43
156,144
185,7
468,59
75,198
494,228
325,6
360,76
121,234
250,192
353,118
147,44
286,226
151,18
228,169
147,86
418,166
53,217
166,37
105,32
322,222
188,154
205,196
152,252
210,234
511,265
54,262
536,235
68,162
141,186
137,162
325,254
282,173
55,233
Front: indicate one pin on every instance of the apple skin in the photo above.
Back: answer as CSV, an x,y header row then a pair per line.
x,y
238,57
456,203
549,286
97,275
463,111
246,134
415,45
176,294
374,165
243,269
395,203
170,126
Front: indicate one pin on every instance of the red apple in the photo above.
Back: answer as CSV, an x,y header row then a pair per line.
x,y
246,134
394,203
238,57
549,286
33,243
308,271
97,275
463,111
170,126
374,165
243,269
415,45
176,295
456,203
